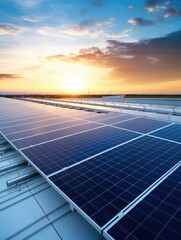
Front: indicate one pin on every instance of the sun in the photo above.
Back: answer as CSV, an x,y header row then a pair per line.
x,y
74,85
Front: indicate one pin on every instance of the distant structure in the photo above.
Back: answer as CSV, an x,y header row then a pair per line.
x,y
114,97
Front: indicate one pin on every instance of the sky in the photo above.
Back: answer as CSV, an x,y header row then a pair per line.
x,y
90,46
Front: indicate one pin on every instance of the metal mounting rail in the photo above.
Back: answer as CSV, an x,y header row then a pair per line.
x,y
12,166
21,178
156,108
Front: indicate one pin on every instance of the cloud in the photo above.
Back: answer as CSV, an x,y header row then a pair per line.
x,y
31,20
94,23
91,27
8,28
123,34
154,60
153,5
97,3
130,8
172,12
6,76
49,31
140,22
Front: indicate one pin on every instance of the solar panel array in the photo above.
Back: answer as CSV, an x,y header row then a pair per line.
x,y
105,185
157,216
101,163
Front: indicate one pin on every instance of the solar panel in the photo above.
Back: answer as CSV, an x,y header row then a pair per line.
x,y
117,119
15,119
158,216
142,125
29,141
105,116
35,125
53,156
86,115
40,130
102,186
24,121
20,116
171,133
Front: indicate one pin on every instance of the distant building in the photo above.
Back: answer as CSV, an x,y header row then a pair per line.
x,y
114,97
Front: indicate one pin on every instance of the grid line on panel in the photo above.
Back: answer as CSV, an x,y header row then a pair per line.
x,y
157,216
142,125
20,116
37,124
105,116
25,121
44,129
172,133
117,119
53,135
104,185
55,155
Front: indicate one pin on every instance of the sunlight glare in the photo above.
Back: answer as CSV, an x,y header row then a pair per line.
x,y
74,85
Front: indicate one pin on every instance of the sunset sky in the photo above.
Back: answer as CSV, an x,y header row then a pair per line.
x,y
90,46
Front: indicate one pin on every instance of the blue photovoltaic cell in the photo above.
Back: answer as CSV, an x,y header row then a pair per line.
x,y
171,133
158,216
53,156
87,115
20,116
102,186
27,142
142,125
24,121
116,119
105,116
35,125
40,130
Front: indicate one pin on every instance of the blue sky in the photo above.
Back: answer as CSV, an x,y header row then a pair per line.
x,y
33,32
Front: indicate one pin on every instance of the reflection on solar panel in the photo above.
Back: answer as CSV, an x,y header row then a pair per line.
x,y
102,186
35,125
86,115
53,156
24,121
26,142
117,119
158,216
142,125
104,116
171,133
41,130
20,116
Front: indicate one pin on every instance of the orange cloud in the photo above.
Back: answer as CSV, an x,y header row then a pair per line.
x,y
6,76
148,61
